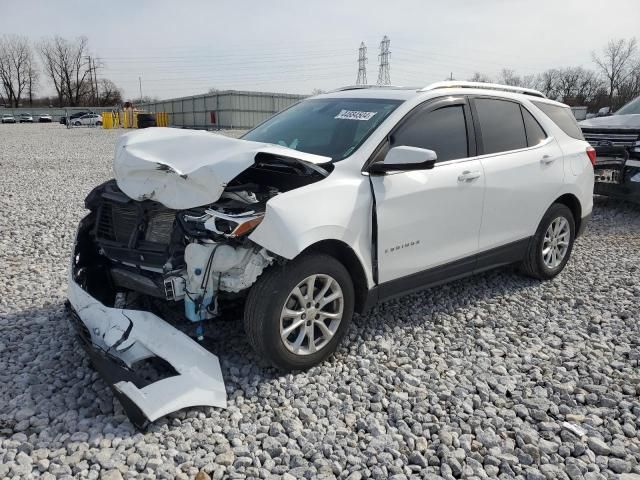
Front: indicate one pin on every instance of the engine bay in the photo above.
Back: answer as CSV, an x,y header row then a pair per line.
x,y
197,256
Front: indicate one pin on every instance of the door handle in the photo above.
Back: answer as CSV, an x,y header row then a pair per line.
x,y
468,175
547,159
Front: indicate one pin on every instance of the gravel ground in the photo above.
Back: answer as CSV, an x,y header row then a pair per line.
x,y
493,376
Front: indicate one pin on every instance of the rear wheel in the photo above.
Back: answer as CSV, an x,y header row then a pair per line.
x,y
296,315
77,124
98,123
550,248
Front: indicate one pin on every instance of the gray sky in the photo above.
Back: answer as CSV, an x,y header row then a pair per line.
x,y
186,47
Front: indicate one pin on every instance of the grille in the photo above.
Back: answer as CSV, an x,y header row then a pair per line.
x,y
117,222
160,227
611,139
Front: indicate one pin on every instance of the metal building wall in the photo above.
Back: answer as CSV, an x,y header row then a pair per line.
x,y
232,109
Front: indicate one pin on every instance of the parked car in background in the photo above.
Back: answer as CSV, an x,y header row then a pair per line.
x,y
339,202
88,119
45,118
616,139
25,118
73,116
8,118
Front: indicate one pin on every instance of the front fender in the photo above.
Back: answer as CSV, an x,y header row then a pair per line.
x,y
338,208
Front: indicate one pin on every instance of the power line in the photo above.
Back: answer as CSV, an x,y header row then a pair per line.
x,y
362,65
384,76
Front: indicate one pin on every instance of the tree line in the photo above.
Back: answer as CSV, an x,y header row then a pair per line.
x,y
64,64
614,81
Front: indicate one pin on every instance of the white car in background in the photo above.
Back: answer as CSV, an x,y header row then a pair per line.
x,y
341,201
8,118
88,119
45,118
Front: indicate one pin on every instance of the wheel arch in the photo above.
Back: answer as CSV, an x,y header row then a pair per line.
x,y
573,203
345,255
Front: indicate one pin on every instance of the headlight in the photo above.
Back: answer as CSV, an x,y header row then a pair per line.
x,y
232,226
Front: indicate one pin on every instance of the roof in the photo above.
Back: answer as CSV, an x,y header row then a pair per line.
x,y
452,87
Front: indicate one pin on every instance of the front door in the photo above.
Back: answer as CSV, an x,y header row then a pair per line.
x,y
431,218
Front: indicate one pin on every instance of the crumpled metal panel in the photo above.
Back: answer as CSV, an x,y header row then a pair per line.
x,y
134,335
187,168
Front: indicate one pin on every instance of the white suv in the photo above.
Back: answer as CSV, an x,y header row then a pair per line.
x,y
341,201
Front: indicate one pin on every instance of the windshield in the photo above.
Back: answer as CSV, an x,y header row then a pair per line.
x,y
630,108
331,127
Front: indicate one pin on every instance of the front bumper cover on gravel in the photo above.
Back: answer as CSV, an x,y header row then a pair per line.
x,y
117,339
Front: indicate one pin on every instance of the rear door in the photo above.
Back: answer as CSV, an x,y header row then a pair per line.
x,y
430,218
523,169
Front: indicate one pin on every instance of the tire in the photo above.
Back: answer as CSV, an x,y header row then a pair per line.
x,y
98,123
77,124
544,267
264,316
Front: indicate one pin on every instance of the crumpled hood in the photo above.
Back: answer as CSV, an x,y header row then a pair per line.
x,y
613,121
187,168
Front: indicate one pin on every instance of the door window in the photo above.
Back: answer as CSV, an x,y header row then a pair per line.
x,y
501,125
443,130
535,133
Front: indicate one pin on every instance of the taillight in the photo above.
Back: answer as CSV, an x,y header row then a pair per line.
x,y
591,152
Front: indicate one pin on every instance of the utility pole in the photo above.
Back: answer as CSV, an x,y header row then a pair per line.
x,y
362,65
384,76
95,78
451,76
93,92
140,83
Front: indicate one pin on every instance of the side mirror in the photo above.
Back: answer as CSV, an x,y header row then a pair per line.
x,y
405,158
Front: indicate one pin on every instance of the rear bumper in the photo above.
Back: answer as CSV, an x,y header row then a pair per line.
x,y
625,191
117,339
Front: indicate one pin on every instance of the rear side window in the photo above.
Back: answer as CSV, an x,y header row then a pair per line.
x,y
563,118
501,125
443,130
535,133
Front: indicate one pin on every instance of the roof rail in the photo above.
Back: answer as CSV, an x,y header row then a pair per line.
x,y
483,86
361,87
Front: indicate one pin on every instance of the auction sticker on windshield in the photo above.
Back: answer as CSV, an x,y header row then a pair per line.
x,y
355,115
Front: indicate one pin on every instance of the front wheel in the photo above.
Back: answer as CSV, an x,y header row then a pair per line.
x,y
98,123
296,315
550,248
77,124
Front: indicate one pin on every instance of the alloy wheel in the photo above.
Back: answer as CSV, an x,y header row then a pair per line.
x,y
555,244
311,314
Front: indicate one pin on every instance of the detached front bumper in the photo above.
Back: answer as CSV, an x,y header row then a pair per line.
x,y
117,339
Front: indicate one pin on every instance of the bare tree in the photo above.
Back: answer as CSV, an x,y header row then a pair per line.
x,y
615,62
480,77
16,67
509,77
547,82
630,88
32,81
110,94
66,64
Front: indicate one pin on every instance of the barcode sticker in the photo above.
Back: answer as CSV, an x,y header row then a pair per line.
x,y
355,115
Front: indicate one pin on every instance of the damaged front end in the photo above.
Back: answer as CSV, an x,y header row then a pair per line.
x,y
147,269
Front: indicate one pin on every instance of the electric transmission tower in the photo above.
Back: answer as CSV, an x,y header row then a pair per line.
x,y
384,76
362,65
